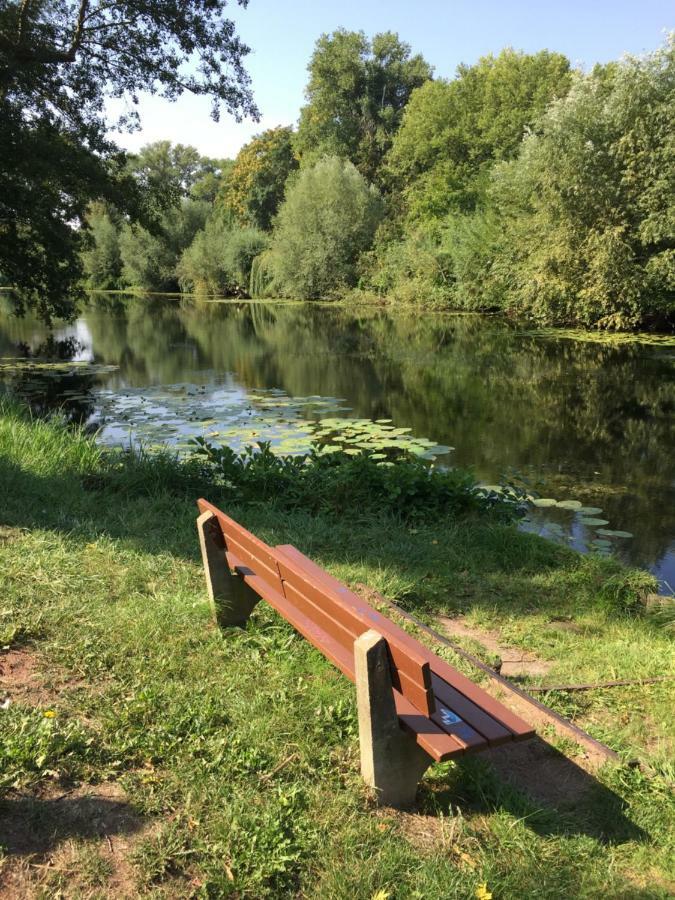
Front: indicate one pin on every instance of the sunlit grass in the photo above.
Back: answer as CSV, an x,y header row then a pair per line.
x,y
240,749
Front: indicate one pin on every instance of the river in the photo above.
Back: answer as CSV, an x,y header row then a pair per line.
x,y
573,420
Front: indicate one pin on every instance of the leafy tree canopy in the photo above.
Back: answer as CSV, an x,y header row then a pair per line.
x,y
59,62
588,211
356,94
255,183
178,186
327,220
453,130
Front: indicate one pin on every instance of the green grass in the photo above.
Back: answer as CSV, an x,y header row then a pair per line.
x,y
238,751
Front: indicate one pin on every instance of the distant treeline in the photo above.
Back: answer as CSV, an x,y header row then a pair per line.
x,y
521,185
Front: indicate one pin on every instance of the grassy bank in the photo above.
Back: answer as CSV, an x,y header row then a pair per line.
x,y
145,752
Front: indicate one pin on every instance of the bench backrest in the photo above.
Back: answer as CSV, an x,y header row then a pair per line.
x,y
338,612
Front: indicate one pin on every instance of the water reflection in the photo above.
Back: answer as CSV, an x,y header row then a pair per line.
x,y
587,421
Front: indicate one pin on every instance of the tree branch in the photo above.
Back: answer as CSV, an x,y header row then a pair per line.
x,y
77,37
23,15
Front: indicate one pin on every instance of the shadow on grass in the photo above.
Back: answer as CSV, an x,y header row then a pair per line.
x,y
532,781
538,785
34,826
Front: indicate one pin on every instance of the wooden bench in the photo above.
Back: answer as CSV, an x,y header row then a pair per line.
x,y
413,707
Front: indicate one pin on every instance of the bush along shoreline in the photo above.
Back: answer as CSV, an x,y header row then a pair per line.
x,y
231,758
521,186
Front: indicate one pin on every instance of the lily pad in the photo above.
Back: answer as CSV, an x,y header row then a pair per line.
x,y
569,504
593,522
544,502
617,534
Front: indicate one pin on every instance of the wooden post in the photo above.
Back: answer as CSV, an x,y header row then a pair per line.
x,y
391,760
231,599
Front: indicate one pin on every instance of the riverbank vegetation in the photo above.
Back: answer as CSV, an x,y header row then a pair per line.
x,y
227,763
520,185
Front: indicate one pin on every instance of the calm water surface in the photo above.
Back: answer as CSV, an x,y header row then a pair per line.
x,y
579,420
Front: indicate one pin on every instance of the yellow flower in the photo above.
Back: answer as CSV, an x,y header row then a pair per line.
x,y
49,714
382,894
482,892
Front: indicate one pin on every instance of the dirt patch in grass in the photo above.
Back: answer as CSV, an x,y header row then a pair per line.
x,y
543,773
427,833
514,661
72,843
21,679
24,679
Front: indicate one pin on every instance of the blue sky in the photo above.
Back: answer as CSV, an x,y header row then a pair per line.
x,y
282,35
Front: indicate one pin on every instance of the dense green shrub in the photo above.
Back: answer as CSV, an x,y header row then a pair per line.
x,y
219,259
588,231
340,483
413,268
327,220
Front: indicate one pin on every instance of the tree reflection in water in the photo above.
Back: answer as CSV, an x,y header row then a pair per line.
x,y
582,420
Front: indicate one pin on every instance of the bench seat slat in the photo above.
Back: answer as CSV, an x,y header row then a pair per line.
x,y
460,730
437,743
483,706
519,728
494,732
434,740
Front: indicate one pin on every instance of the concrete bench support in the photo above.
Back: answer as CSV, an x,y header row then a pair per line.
x,y
391,760
232,600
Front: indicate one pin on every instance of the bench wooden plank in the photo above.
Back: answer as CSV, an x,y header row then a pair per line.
x,y
485,714
411,673
434,740
437,743
400,680
494,732
271,576
245,545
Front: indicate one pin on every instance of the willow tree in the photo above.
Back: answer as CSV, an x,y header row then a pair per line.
x,y
59,63
327,220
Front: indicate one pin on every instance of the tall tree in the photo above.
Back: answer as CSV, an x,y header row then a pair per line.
x,y
255,184
588,207
356,94
327,220
454,131
59,62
